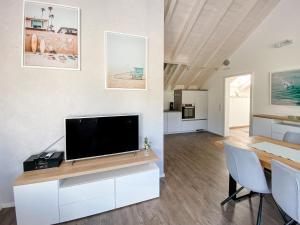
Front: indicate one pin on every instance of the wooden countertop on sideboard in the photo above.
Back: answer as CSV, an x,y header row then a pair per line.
x,y
88,166
277,117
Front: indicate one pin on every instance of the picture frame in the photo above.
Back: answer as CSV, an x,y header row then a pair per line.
x,y
126,61
284,87
50,36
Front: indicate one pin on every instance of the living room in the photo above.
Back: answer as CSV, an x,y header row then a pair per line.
x,y
117,112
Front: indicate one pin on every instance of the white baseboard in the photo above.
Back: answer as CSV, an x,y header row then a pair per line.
x,y
7,205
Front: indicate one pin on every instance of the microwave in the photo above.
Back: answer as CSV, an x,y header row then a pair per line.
x,y
188,111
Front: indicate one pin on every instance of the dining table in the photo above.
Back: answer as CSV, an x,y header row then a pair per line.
x,y
264,157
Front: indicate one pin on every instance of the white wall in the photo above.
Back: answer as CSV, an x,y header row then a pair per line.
x,y
239,111
257,56
168,97
34,102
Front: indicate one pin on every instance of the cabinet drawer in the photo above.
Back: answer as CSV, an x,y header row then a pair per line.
x,y
86,208
103,189
138,187
188,125
201,125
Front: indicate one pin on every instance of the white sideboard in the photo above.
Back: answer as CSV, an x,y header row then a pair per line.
x,y
84,192
274,126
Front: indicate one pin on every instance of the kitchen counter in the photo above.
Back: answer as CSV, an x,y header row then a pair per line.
x,y
171,111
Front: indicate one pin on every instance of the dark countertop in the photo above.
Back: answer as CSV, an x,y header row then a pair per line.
x,y
169,111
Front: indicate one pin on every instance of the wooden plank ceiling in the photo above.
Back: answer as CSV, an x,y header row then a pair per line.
x,y
201,34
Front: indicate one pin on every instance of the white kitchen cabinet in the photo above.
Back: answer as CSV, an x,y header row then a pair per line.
x,y
174,122
188,126
262,127
193,125
201,125
165,122
201,104
197,98
188,97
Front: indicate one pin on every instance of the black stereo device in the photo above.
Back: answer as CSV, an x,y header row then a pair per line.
x,y
43,160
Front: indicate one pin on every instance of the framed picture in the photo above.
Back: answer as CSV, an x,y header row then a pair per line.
x,y
51,36
285,88
126,61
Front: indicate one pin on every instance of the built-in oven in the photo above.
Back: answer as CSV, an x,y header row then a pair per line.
x,y
188,111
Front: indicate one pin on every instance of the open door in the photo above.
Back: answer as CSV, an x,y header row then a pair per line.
x,y
238,98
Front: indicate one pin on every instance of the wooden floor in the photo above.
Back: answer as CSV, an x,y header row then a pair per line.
x,y
196,182
242,132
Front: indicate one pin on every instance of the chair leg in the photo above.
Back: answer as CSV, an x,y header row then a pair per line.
x,y
284,216
258,222
231,196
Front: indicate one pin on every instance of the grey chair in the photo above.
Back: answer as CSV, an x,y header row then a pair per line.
x,y
292,137
245,168
285,190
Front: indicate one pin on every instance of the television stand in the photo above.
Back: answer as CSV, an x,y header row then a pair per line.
x,y
85,188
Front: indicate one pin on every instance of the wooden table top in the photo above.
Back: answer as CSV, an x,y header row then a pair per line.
x,y
88,166
264,157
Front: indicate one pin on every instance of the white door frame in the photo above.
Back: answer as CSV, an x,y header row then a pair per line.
x,y
226,102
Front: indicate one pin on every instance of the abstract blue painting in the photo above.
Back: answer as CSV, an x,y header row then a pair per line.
x,y
285,88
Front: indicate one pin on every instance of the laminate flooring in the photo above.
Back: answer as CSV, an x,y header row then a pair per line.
x,y
196,181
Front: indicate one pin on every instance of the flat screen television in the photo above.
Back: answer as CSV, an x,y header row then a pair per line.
x,y
101,136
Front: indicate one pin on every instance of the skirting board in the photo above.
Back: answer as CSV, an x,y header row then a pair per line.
x,y
7,205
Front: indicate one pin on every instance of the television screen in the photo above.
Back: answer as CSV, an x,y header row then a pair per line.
x,y
99,136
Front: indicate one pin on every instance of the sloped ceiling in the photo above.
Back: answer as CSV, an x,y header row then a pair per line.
x,y
201,34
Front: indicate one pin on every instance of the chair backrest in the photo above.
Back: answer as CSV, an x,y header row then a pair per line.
x,y
285,188
245,168
292,137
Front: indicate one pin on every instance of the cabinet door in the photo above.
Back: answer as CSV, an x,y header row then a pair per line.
x,y
262,127
200,125
188,126
188,97
174,122
86,199
165,123
200,99
137,187
37,204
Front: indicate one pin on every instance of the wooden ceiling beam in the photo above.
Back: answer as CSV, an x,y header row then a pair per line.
x,y
188,27
171,75
170,11
167,69
176,81
176,75
218,50
202,45
261,10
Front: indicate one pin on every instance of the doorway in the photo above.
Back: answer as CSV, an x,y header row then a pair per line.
x,y
238,101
